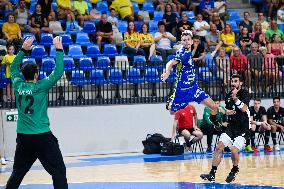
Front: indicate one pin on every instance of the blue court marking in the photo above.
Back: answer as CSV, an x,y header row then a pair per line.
x,y
148,185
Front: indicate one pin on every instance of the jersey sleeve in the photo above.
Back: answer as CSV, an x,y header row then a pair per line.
x,y
245,97
15,69
55,75
263,111
269,113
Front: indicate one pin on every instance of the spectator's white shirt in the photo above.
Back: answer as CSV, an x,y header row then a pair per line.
x,y
218,4
280,13
164,43
197,25
113,21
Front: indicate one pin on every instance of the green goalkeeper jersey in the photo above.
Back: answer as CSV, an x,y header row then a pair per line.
x,y
32,98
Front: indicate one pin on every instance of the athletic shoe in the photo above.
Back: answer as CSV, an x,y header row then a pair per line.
x,y
276,147
210,177
3,161
209,151
255,149
232,175
248,149
227,150
267,148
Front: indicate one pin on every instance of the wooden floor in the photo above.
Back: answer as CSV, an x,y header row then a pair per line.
x,y
137,170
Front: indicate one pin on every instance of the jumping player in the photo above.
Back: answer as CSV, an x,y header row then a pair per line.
x,y
237,109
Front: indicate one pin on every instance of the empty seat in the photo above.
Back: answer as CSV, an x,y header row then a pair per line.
x,y
139,62
97,77
149,7
158,15
89,27
152,75
46,39
52,52
66,39
122,26
28,61
93,51
75,51
82,39
69,64
2,80
135,7
156,61
110,50
134,76
78,78
153,26
103,63
38,52
47,64
115,76
102,6
42,75
86,64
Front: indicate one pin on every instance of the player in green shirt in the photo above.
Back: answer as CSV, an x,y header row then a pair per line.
x,y
34,138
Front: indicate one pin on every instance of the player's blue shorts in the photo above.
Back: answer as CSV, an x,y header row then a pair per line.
x,y
8,80
183,96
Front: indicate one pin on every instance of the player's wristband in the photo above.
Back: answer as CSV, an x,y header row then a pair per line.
x,y
59,50
239,104
258,123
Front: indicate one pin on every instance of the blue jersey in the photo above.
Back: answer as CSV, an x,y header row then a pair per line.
x,y
185,70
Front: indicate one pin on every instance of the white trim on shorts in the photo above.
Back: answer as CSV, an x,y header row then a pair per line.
x,y
238,142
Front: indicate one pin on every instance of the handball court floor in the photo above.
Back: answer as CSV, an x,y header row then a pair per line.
x,y
138,171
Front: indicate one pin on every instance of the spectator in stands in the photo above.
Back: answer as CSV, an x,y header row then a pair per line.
x,y
104,31
258,117
274,30
163,41
275,115
170,19
39,22
124,9
82,11
147,41
12,32
262,20
54,26
228,38
65,11
198,51
95,15
132,42
201,27
256,33
5,5
255,61
275,47
245,41
112,18
217,21
220,7
272,7
239,65
246,23
47,10
185,124
162,5
223,65
280,17
206,8
7,60
271,68
184,5
208,128
213,40
184,24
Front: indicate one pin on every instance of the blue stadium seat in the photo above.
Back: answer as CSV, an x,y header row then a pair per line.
x,y
190,16
75,51
46,39
42,75
52,52
83,39
135,7
110,50
97,77
47,64
115,76
171,78
29,61
86,64
158,15
153,26
170,57
102,6
149,7
26,35
69,64
152,75
78,78
122,26
134,76
2,80
204,74
38,52
93,51
234,26
89,27
156,61
282,71
103,63
235,16
209,60
66,39
54,6
139,62
138,25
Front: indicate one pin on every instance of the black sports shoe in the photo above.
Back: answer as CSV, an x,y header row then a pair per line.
x,y
210,177
232,175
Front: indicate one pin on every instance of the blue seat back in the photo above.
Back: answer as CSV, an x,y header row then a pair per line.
x,y
82,38
122,26
149,7
135,7
93,51
29,61
75,51
153,26
110,50
66,39
103,63
89,27
102,6
38,51
42,75
158,15
46,39
69,64
47,64
86,64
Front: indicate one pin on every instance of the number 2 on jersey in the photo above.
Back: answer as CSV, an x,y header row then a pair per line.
x,y
30,100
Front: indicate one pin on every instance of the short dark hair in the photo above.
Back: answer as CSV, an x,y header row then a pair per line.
x,y
29,71
276,98
161,23
257,99
215,99
196,37
237,76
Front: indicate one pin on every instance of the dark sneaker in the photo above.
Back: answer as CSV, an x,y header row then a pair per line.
x,y
209,151
210,177
231,177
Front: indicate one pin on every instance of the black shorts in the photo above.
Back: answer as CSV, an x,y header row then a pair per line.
x,y
189,129
234,130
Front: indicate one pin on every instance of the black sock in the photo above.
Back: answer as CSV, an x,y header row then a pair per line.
x,y
267,135
213,169
188,143
235,168
252,138
273,136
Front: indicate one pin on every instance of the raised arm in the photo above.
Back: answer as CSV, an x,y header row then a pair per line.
x,y
169,66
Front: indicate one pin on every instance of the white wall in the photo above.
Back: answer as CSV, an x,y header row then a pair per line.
x,y
102,129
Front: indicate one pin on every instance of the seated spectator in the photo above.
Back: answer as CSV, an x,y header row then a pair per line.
x,y
201,27
262,20
47,10
81,11
245,41
271,68
5,5
275,47
12,32
223,65
220,7
104,31
184,24
162,5
65,11
213,40
163,41
228,38
185,124
54,26
7,60
95,15
39,22
239,65
207,8
246,23
198,51
274,30
124,9
147,41
170,19
132,42
117,35
280,17
272,7
255,61
257,30
217,21
184,5
208,128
